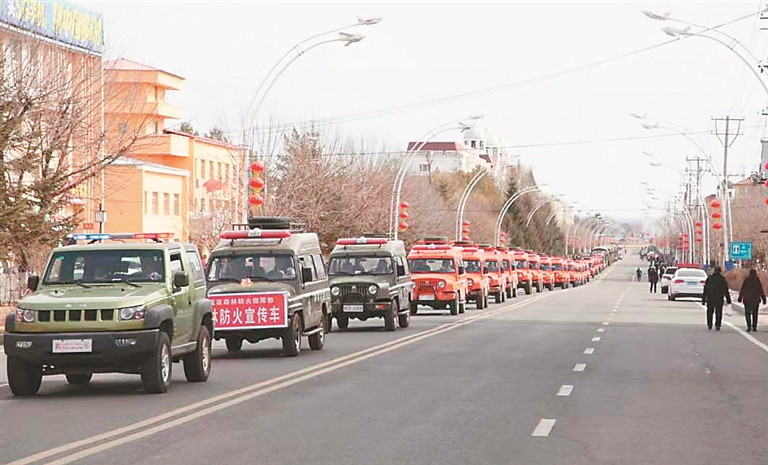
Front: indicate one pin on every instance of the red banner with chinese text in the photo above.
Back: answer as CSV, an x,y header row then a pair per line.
x,y
253,310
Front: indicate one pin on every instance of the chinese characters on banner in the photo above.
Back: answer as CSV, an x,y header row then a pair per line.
x,y
250,310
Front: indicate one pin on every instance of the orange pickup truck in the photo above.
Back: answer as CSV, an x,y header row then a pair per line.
x,y
478,281
534,263
495,273
523,272
439,278
546,271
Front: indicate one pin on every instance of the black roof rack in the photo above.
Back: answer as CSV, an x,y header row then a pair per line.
x,y
270,223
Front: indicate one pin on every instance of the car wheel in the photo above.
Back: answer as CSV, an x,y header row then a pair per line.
x,y
342,321
479,301
234,343
413,308
528,289
462,307
157,369
672,298
390,319
327,323
514,292
292,337
404,319
197,365
24,378
79,379
317,340
497,297
454,306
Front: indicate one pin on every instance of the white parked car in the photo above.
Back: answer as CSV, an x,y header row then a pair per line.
x,y
687,282
666,278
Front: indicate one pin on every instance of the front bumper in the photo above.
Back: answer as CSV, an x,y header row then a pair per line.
x,y
109,350
369,309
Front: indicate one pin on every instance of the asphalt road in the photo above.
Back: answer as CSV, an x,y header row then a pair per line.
x,y
602,374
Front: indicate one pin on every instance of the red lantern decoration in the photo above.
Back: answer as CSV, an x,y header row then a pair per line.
x,y
766,165
766,183
256,200
715,204
766,200
402,226
717,226
404,215
717,215
465,238
404,204
257,167
697,224
465,230
256,184
466,223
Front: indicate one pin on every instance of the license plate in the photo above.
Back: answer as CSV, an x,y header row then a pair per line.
x,y
691,284
353,308
426,297
71,346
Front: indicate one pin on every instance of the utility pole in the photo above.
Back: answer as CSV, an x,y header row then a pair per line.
x,y
701,211
727,138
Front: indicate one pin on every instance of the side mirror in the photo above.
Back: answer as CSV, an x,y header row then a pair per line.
x,y
32,282
180,279
400,270
306,275
462,270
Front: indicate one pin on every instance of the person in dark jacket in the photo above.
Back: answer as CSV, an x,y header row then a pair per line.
x,y
751,294
715,290
653,278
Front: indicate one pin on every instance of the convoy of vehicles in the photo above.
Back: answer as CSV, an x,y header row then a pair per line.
x,y
134,303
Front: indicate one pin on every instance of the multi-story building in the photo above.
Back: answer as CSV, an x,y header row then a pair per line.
x,y
444,157
168,180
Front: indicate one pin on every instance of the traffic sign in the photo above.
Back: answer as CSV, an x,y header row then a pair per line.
x,y
741,251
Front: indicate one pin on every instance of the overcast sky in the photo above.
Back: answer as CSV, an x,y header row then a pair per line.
x,y
434,50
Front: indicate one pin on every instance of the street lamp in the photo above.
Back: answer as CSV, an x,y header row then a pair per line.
x,y
507,206
274,74
400,177
465,197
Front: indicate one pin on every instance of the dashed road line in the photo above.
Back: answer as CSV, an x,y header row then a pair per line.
x,y
600,330
580,367
596,339
544,427
565,390
589,351
606,323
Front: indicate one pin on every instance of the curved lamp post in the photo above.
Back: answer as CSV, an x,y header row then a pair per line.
x,y
465,197
536,208
506,207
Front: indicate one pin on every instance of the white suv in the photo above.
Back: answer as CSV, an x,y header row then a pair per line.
x,y
687,282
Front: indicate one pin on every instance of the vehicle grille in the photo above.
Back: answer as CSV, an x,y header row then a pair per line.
x,y
424,286
61,316
353,293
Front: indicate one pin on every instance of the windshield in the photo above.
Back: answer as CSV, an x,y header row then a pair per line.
x,y
356,265
557,267
234,267
104,266
505,265
545,267
473,266
521,264
670,271
492,266
432,265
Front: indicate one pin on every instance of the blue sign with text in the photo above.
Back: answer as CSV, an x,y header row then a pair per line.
x,y
741,251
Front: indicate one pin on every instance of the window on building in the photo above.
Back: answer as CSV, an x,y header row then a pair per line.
x,y
472,144
166,204
481,145
210,169
218,167
146,202
202,169
176,204
155,203
424,168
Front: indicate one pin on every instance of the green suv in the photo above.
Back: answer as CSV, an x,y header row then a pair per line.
x,y
106,306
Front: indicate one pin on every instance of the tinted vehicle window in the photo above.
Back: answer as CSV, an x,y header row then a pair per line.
x,y
319,266
256,267
472,266
521,264
545,267
360,266
492,266
557,267
432,265
101,266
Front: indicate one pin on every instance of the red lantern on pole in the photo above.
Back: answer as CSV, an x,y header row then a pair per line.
x,y
256,200
404,215
404,205
766,200
697,224
465,238
256,184
717,215
465,231
257,167
715,204
403,226
717,226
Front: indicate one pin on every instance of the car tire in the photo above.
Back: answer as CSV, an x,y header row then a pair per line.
x,y
157,369
327,322
485,301
479,301
497,296
404,319
234,343
342,321
317,340
24,378
462,307
528,289
453,306
390,319
514,292
79,379
197,365
292,337
413,308
672,298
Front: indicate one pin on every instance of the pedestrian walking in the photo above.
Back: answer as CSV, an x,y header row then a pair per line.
x,y
751,294
715,290
653,278
639,274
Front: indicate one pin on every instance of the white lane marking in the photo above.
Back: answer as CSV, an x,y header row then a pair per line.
x,y
596,339
580,367
565,390
615,310
600,330
589,351
4,385
747,336
606,323
544,428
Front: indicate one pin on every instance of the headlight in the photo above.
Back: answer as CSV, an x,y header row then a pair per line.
x,y
335,291
373,289
441,284
470,282
132,313
25,316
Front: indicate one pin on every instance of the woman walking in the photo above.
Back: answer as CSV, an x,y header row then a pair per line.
x,y
751,294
